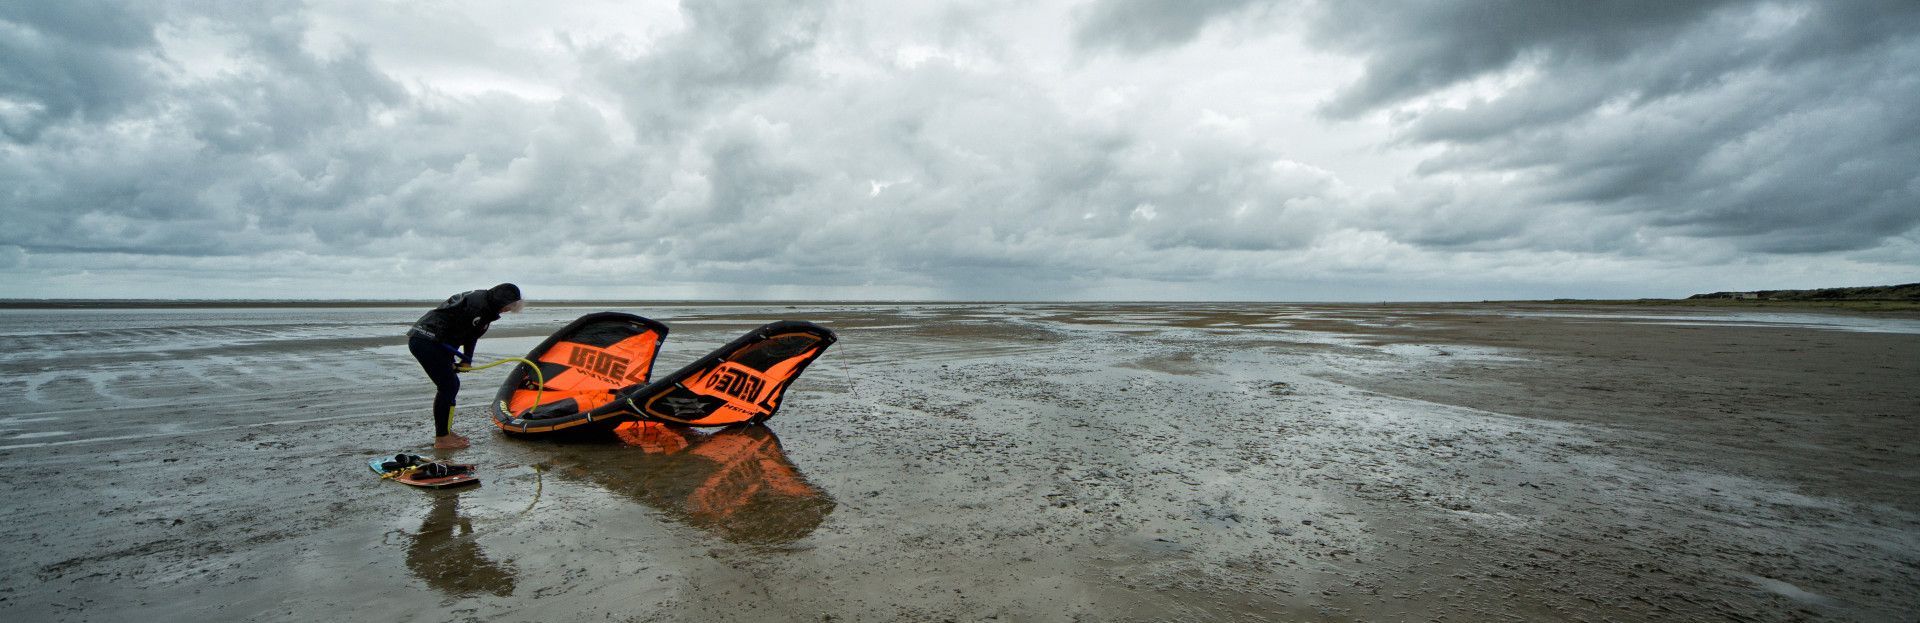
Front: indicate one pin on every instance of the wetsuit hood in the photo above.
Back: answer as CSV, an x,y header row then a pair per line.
x,y
503,295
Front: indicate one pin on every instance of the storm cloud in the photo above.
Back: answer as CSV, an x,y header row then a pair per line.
x,y
1231,149
1777,127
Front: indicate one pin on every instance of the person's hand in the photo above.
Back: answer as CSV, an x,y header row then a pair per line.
x,y
461,367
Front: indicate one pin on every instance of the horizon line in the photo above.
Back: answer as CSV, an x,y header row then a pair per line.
x,y
337,302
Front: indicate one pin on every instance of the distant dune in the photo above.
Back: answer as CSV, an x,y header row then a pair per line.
x,y
1904,292
1900,298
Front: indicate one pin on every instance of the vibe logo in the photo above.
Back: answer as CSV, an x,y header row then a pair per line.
x,y
735,382
598,363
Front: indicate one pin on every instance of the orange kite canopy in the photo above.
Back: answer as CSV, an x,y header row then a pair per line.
x,y
597,368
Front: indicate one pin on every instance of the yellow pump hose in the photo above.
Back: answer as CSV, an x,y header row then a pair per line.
x,y
539,390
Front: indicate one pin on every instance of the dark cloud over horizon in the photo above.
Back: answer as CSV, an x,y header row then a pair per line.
x,y
1782,127
865,149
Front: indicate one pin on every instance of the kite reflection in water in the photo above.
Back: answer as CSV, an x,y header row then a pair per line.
x,y
445,554
735,482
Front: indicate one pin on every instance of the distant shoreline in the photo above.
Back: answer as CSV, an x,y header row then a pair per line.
x,y
1854,305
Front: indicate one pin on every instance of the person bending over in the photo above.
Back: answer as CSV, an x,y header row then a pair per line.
x,y
448,332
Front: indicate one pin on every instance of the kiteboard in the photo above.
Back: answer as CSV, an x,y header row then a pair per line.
x,y
418,471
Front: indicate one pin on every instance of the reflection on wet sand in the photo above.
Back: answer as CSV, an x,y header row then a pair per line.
x,y
735,482
445,554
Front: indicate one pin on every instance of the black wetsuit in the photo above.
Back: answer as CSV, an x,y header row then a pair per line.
x,y
449,331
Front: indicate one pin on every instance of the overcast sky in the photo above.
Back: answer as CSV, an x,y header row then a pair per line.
x,y
1082,149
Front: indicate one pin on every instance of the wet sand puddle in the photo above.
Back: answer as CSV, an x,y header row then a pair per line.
x,y
968,462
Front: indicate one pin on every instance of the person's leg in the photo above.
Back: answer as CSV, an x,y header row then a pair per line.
x,y
437,361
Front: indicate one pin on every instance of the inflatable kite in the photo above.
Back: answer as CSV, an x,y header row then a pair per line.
x,y
594,374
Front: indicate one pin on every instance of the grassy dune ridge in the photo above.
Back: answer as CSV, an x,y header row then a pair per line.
x,y
1899,298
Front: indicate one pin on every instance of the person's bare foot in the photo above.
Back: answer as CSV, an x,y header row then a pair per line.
x,y
450,442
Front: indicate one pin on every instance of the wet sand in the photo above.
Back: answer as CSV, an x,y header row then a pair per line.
x,y
1024,462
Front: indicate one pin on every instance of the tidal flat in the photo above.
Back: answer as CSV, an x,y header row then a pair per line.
x,y
967,462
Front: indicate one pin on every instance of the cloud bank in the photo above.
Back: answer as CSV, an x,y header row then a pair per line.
x,y
1116,149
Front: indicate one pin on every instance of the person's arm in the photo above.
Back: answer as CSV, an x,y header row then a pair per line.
x,y
474,308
